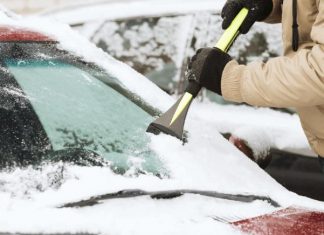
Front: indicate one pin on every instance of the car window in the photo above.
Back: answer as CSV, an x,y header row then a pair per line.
x,y
153,46
77,110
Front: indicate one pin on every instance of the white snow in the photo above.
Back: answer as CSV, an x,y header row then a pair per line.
x,y
261,127
208,162
29,197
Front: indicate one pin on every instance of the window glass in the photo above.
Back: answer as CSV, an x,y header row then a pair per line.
x,y
153,46
79,111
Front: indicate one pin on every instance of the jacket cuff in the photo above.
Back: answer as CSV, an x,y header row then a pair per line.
x,y
276,13
231,82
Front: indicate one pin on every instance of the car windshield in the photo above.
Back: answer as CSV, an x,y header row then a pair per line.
x,y
80,108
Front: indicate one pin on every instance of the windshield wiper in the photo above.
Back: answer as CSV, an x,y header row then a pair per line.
x,y
169,194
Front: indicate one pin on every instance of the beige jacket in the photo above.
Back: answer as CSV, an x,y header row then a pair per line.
x,y
293,80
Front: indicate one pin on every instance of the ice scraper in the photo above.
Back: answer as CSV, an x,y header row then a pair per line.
x,y
172,122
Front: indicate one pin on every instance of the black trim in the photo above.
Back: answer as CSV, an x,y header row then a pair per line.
x,y
23,139
295,33
168,195
298,173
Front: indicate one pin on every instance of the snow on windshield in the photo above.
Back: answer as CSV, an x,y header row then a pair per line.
x,y
208,162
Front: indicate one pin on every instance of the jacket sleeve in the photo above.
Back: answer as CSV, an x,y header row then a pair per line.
x,y
296,81
311,119
275,15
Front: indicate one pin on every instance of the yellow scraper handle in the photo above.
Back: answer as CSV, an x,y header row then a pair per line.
x,y
172,121
230,34
224,43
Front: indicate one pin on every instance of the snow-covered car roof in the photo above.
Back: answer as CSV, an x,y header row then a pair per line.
x,y
207,162
130,9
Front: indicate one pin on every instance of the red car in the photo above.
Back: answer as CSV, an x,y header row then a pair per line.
x,y
75,157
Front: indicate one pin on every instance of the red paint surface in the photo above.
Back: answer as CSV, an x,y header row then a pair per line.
x,y
290,221
10,34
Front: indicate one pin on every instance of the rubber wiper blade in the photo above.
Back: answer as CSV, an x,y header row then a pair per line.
x,y
168,194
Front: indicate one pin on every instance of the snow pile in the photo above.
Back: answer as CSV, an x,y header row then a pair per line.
x,y
261,127
23,183
256,139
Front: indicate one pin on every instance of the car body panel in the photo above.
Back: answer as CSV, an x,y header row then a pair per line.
x,y
9,34
289,221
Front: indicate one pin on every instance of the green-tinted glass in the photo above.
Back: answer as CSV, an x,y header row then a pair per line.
x,y
79,111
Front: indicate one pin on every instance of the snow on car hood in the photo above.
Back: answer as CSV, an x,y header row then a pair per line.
x,y
262,128
208,162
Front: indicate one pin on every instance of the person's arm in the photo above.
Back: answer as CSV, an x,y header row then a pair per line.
x,y
276,13
283,81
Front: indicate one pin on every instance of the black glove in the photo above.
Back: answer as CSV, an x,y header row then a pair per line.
x,y
321,161
206,68
258,11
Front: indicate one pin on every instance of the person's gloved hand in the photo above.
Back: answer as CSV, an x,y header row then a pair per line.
x,y
258,11
206,68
